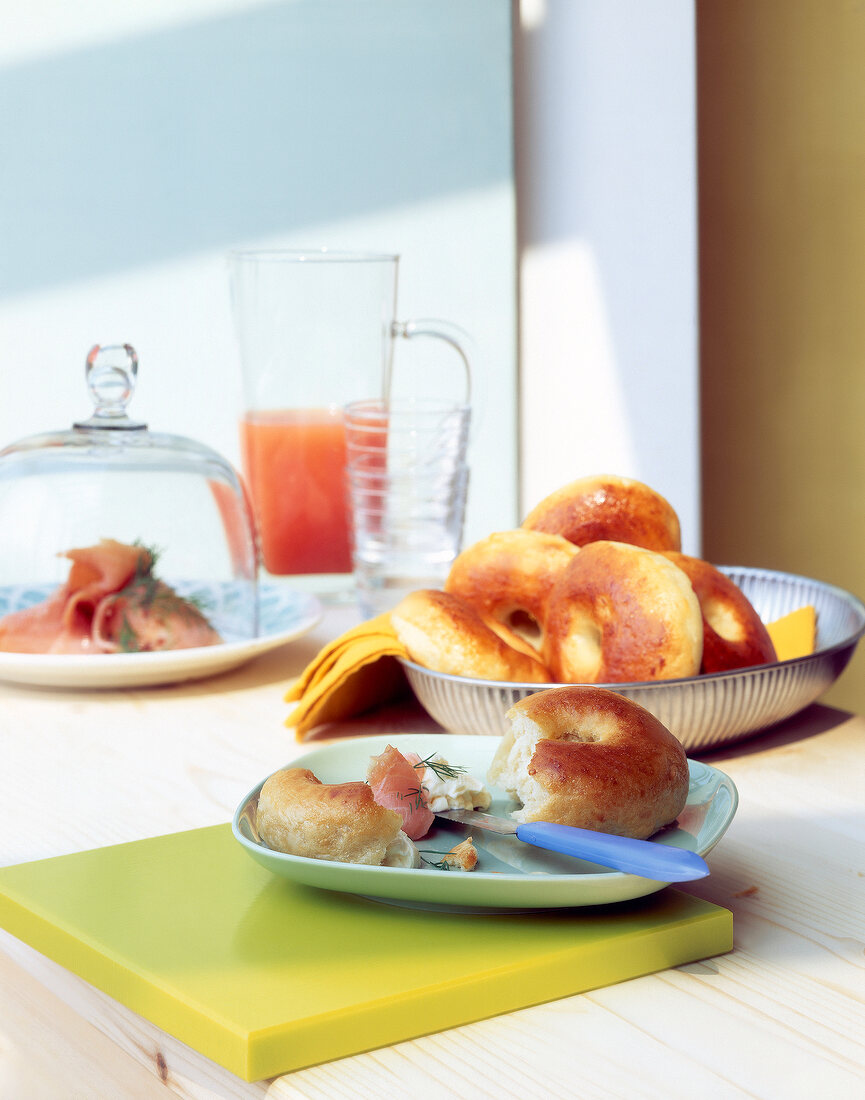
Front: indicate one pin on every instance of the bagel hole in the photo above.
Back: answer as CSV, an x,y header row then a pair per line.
x,y
525,626
723,621
605,727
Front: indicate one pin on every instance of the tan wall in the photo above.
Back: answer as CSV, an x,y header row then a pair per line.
x,y
781,110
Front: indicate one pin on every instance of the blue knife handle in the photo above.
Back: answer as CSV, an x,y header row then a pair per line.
x,y
647,858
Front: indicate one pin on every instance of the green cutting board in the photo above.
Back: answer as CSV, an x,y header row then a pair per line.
x,y
265,976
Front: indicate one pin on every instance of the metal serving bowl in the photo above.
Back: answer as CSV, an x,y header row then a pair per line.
x,y
703,711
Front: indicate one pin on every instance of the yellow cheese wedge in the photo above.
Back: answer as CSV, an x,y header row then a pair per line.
x,y
794,635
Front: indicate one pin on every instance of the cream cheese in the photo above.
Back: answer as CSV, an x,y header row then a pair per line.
x,y
401,852
461,792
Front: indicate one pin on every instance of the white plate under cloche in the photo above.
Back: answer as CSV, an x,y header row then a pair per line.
x,y
284,615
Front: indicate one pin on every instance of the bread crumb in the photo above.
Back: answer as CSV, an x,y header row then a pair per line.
x,y
748,892
462,857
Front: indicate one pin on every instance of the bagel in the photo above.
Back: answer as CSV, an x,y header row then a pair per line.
x,y
734,635
585,756
444,633
611,508
302,816
619,613
507,578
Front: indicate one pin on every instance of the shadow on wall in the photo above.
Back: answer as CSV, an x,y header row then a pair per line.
x,y
245,126
606,172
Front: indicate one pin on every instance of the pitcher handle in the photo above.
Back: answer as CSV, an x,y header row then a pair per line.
x,y
440,330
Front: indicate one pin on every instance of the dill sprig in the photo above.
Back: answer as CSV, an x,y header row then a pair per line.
x,y
149,591
441,768
416,793
143,583
453,859
440,865
146,591
127,639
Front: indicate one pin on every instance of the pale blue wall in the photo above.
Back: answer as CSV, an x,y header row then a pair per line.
x,y
131,166
247,125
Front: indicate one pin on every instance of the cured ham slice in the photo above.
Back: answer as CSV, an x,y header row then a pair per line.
x,y
396,785
111,602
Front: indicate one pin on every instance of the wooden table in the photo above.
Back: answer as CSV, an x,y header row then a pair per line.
x,y
782,1015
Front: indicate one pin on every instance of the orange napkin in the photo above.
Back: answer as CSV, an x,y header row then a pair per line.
x,y
794,635
353,673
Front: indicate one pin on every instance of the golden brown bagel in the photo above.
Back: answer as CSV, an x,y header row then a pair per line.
x,y
585,756
302,816
446,634
620,613
607,507
507,578
734,635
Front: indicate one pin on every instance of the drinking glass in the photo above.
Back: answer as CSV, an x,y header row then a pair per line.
x,y
315,330
408,478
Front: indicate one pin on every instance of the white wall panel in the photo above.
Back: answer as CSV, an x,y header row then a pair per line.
x,y
606,173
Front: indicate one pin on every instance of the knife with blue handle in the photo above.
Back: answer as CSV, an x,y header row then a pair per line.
x,y
646,858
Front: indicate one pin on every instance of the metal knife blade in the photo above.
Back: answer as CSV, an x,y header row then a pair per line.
x,y
647,858
479,820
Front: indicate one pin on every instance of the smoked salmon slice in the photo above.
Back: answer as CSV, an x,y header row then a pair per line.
x,y
396,785
110,602
137,620
96,572
34,629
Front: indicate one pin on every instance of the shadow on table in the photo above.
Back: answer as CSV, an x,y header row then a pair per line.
x,y
405,715
810,722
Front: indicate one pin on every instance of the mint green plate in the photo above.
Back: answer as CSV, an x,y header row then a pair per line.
x,y
510,875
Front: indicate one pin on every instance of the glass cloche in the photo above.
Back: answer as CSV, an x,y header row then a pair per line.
x,y
119,539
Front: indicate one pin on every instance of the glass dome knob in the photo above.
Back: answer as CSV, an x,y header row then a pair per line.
x,y
111,372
